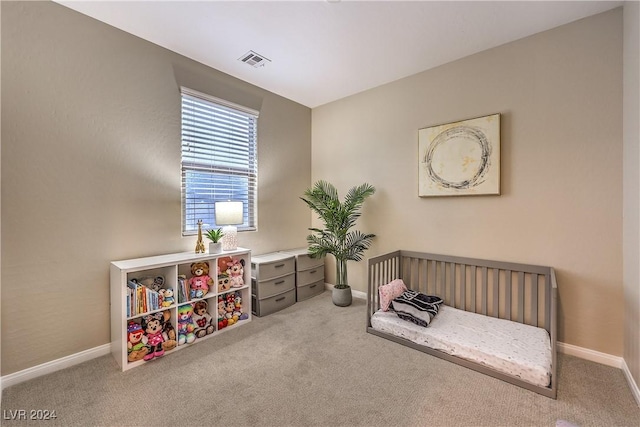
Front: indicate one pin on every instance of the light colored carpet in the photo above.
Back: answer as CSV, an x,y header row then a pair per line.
x,y
314,364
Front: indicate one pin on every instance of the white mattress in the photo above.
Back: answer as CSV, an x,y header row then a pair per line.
x,y
512,348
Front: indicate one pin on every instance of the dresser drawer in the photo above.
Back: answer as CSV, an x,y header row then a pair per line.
x,y
310,290
310,276
267,288
275,303
304,262
264,267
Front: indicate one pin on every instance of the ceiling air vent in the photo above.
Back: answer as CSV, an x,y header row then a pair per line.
x,y
254,59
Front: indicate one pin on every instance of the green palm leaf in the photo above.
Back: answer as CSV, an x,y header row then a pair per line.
x,y
336,237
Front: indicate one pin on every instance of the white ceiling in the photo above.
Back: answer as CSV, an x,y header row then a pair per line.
x,y
321,51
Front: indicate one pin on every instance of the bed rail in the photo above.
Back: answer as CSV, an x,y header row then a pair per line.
x,y
517,292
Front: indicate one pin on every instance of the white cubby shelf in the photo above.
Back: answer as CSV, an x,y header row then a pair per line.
x,y
171,267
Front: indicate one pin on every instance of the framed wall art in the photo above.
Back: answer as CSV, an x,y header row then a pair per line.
x,y
460,158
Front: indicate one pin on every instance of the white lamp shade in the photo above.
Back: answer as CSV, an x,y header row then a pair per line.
x,y
228,213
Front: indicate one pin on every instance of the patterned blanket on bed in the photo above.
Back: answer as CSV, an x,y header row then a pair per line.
x,y
416,307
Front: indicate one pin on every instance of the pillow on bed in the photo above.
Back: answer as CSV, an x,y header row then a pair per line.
x,y
416,307
390,291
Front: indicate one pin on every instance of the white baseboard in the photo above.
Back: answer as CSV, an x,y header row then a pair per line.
x,y
358,294
605,359
592,355
632,383
54,365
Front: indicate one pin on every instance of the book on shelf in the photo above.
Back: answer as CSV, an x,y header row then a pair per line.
x,y
141,299
183,292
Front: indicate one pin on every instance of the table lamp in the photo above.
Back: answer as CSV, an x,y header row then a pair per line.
x,y
228,215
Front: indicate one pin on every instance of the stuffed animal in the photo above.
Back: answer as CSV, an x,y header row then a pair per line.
x,y
229,307
200,282
238,308
202,318
167,297
223,282
136,348
153,283
153,325
222,311
168,332
235,270
186,326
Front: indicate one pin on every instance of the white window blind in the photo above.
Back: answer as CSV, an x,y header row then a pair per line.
x,y
218,159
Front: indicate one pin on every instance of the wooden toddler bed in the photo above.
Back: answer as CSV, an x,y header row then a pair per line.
x,y
498,318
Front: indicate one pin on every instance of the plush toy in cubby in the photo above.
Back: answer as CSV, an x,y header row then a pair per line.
x,y
200,281
202,318
230,309
223,282
222,312
153,325
238,307
136,347
167,297
168,332
235,271
186,325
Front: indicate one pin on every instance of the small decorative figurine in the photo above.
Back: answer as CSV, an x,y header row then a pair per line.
x,y
199,243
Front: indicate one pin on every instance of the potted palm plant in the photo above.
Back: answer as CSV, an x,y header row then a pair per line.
x,y
337,237
215,246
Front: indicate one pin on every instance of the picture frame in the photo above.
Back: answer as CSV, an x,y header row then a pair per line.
x,y
460,158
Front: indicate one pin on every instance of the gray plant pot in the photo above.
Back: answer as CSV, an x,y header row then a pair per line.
x,y
215,248
341,297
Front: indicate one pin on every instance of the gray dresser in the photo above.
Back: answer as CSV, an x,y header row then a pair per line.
x,y
273,282
309,274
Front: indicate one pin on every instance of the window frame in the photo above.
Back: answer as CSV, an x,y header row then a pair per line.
x,y
196,108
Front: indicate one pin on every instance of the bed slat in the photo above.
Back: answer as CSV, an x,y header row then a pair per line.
x,y
473,289
452,286
463,286
507,294
534,299
496,292
520,312
485,285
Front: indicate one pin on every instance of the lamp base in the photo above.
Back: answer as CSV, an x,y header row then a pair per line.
x,y
229,238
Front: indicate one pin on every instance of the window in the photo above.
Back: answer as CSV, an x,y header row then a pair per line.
x,y
218,159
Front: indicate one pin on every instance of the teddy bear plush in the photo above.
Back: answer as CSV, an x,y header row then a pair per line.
x,y
153,325
136,348
168,332
235,271
202,318
186,326
200,281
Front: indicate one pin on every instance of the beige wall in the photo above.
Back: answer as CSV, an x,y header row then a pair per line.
x,y
91,171
560,96
631,188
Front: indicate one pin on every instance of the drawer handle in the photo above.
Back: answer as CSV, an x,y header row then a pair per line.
x,y
279,283
279,265
279,299
311,272
312,286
